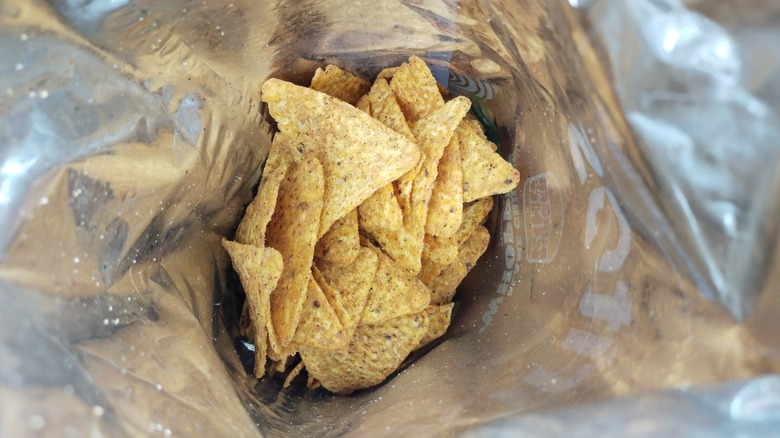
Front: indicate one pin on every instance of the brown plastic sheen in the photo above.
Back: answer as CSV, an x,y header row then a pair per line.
x,y
121,310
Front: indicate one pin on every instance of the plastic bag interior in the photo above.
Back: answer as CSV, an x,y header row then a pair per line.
x,y
133,137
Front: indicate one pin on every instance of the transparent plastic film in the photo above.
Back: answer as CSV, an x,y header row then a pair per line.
x,y
133,137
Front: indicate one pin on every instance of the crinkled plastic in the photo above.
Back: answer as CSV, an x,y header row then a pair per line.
x,y
132,137
707,143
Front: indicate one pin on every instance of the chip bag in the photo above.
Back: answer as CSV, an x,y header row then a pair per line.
x,y
135,136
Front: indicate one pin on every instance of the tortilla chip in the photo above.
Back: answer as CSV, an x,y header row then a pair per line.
x,y
358,153
445,209
485,172
341,243
293,374
470,122
387,73
333,296
438,322
474,215
281,366
394,293
442,250
374,353
251,230
403,188
293,232
416,93
415,89
259,270
245,327
340,84
385,108
364,104
444,286
433,133
320,326
312,383
350,284
430,270
380,211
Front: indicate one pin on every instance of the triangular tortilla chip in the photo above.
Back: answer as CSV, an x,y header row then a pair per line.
x,y
364,104
374,353
380,211
442,250
415,89
340,84
470,122
445,210
385,108
350,284
485,172
438,321
433,133
320,326
251,230
444,286
393,293
293,232
259,270
358,153
341,243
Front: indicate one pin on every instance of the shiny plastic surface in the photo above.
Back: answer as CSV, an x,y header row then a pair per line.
x,y
132,137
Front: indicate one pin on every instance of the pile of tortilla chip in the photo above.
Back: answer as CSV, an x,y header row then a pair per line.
x,y
368,215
